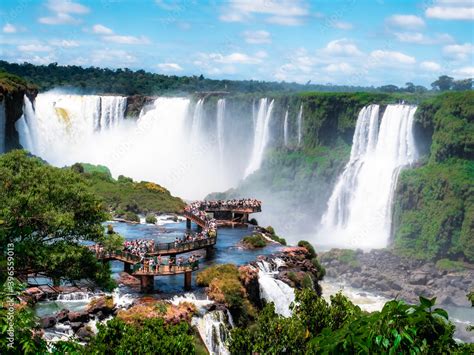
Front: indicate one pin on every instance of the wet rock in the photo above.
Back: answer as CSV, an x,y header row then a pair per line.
x,y
84,333
418,278
48,322
104,305
78,316
62,315
76,325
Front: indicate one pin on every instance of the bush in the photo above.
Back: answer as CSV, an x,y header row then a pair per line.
x,y
150,218
254,241
450,265
270,230
321,269
308,247
131,216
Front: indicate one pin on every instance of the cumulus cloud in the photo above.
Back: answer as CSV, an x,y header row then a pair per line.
x,y
459,51
282,12
62,10
390,58
64,43
464,72
9,28
34,47
343,68
170,67
405,21
342,25
257,37
101,30
113,57
451,10
342,47
420,38
430,66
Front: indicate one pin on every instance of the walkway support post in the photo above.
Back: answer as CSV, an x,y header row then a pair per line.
x,y
127,267
188,223
187,280
147,283
209,251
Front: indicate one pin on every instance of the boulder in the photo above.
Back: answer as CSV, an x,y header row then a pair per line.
x,y
104,305
78,316
84,333
76,325
48,322
418,278
62,315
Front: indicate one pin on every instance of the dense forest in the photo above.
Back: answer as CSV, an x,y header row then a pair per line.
x,y
129,82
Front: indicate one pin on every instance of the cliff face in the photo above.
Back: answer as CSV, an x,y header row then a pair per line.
x,y
12,91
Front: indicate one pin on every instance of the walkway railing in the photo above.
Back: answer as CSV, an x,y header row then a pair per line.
x,y
185,246
165,269
119,254
232,209
195,218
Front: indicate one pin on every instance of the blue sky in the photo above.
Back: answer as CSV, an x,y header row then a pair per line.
x,y
346,42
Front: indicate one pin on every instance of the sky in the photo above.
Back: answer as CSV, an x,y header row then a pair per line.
x,y
345,42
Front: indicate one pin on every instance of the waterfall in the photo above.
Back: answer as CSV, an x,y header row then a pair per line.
x,y
65,129
220,129
285,129
300,125
274,290
74,296
214,329
359,209
261,135
3,121
196,127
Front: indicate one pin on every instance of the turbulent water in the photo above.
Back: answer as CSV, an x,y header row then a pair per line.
x,y
173,142
359,210
2,126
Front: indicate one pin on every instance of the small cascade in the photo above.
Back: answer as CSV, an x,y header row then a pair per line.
x,y
112,111
3,122
285,129
261,135
359,209
220,129
214,329
200,304
300,125
197,123
274,290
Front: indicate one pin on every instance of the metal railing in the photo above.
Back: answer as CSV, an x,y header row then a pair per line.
x,y
140,269
184,246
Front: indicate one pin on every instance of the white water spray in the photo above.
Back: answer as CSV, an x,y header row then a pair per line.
x,y
300,124
220,129
285,129
359,209
261,135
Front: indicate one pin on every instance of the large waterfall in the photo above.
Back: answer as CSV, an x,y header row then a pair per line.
x,y
3,121
172,142
285,129
359,210
300,124
261,135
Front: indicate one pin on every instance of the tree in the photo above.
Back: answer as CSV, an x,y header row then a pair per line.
x,y
461,85
47,213
410,87
443,83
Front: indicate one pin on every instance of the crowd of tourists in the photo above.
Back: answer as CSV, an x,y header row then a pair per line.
x,y
139,247
170,264
245,203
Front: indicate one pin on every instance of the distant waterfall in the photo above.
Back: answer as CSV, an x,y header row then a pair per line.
x,y
196,127
359,209
3,121
167,144
220,129
300,124
261,135
285,129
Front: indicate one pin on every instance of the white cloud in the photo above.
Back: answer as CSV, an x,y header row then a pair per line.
x,y
237,58
64,43
451,10
420,38
126,39
390,58
257,37
169,67
169,5
343,68
464,72
66,7
405,21
101,30
36,59
342,47
430,66
35,47
342,25
114,57
282,12
62,10
459,51
9,28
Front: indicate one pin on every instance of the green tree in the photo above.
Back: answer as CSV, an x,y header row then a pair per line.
x,y
47,213
443,83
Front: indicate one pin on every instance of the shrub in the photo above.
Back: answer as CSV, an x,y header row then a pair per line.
x,y
131,216
270,230
305,244
450,265
321,269
254,241
254,222
150,218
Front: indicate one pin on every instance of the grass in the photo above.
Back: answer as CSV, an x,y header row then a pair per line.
x,y
450,265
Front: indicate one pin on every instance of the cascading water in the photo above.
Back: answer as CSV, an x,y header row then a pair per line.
x,y
274,290
214,329
359,209
261,135
300,124
75,296
220,129
3,121
169,143
285,129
